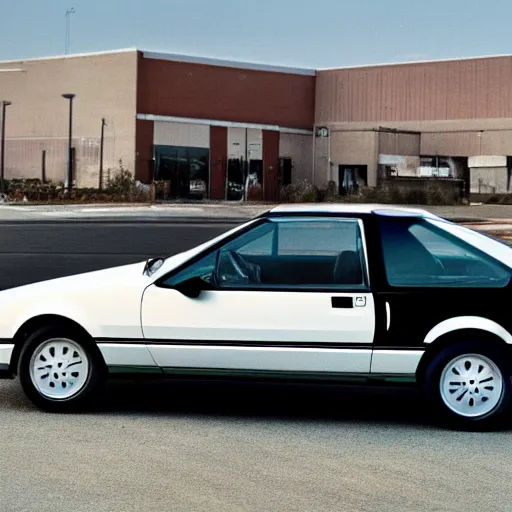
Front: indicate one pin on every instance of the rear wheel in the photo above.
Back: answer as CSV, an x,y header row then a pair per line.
x,y
469,385
60,370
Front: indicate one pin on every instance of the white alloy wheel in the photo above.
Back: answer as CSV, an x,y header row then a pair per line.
x,y
471,385
59,368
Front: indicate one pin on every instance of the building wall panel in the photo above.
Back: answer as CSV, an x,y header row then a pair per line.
x,y
237,143
144,151
460,89
181,134
255,144
470,143
451,144
406,144
300,149
355,148
218,161
321,170
497,143
221,93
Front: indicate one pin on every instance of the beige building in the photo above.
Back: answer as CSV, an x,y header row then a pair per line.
x,y
228,130
444,119
37,120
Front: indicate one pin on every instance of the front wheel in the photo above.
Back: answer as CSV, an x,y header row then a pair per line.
x,y
60,370
469,385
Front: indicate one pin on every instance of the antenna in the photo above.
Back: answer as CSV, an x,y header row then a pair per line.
x,y
69,12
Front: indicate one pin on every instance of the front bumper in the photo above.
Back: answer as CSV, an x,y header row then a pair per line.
x,y
5,360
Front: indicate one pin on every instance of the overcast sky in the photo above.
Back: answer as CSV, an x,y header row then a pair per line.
x,y
316,33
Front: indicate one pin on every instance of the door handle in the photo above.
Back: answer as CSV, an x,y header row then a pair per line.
x,y
342,302
388,316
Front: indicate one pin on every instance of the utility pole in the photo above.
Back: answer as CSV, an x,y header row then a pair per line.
x,y
70,97
4,105
69,12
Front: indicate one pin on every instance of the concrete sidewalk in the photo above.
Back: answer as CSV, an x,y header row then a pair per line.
x,y
499,215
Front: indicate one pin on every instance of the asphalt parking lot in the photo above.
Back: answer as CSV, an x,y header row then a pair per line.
x,y
203,447
35,251
183,446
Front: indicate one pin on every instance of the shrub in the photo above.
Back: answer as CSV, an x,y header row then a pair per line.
x,y
389,193
123,181
302,192
122,188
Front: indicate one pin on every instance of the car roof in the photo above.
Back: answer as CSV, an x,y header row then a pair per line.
x,y
342,209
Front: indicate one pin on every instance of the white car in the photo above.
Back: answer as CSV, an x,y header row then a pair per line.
x,y
324,292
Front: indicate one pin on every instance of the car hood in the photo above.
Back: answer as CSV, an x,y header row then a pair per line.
x,y
100,278
132,274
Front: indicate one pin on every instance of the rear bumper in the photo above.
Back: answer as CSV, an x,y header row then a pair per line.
x,y
5,360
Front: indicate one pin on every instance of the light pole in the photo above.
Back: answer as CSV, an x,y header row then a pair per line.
x,y
102,142
69,12
70,96
4,105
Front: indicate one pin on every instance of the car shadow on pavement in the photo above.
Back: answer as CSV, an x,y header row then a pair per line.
x,y
264,400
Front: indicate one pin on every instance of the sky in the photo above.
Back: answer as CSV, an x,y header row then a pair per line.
x,y
312,33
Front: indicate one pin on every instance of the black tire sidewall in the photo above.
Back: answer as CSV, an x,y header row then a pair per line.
x,y
497,417
95,378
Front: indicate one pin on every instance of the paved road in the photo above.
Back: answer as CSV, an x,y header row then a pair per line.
x,y
180,446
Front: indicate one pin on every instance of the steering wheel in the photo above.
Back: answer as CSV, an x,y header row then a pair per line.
x,y
236,264
244,269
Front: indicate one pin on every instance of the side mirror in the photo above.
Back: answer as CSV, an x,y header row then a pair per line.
x,y
192,287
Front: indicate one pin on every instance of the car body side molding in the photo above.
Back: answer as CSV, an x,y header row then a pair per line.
x,y
468,322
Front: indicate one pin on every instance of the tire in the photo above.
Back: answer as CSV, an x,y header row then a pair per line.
x,y
77,372
468,385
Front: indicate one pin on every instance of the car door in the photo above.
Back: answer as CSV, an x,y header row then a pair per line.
x,y
301,304
426,277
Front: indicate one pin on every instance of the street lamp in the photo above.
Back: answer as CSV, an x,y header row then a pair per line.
x,y
70,96
4,105
102,143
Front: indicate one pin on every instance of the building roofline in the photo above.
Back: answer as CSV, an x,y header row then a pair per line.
x,y
69,56
196,59
415,62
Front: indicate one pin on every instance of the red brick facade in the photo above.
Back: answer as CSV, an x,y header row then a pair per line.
x,y
203,91
222,93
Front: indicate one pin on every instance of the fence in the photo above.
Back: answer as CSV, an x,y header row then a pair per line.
x,y
47,159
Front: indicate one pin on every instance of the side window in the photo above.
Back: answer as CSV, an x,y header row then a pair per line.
x,y
202,268
286,253
420,254
316,238
257,241
297,253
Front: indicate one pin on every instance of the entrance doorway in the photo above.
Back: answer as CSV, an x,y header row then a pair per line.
x,y
351,178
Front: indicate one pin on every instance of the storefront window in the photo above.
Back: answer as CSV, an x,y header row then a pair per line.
x,y
186,168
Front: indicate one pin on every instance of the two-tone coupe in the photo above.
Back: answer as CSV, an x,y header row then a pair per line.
x,y
320,292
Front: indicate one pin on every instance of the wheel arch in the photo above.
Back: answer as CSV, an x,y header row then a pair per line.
x,y
456,324
40,322
453,336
